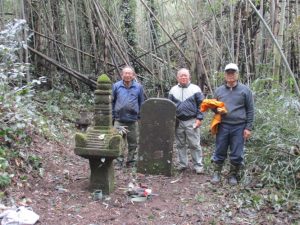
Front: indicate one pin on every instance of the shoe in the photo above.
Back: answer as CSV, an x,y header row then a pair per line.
x,y
233,174
181,168
216,178
199,170
232,181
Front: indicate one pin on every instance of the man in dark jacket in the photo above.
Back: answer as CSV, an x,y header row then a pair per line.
x,y
128,96
187,97
236,124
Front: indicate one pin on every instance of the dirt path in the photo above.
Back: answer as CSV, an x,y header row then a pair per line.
x,y
61,197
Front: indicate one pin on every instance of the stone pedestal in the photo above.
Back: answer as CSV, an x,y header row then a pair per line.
x,y
102,175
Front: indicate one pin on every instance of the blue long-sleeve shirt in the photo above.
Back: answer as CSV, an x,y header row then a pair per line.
x,y
239,104
127,101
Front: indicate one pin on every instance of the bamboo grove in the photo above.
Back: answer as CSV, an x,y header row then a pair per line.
x,y
72,41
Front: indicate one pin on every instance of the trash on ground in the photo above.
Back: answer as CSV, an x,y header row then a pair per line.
x,y
21,216
139,193
61,190
97,195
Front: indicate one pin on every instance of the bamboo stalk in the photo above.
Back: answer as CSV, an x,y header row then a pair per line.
x,y
222,33
202,62
279,49
73,73
167,33
238,36
25,40
232,26
92,33
110,34
76,39
68,46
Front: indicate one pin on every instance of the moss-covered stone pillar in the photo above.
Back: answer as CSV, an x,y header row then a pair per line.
x,y
101,144
103,115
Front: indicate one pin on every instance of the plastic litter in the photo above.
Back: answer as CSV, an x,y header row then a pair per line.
x,y
138,199
139,193
97,195
19,216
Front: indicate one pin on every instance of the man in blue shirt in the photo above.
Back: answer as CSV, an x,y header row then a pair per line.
x,y
236,124
128,96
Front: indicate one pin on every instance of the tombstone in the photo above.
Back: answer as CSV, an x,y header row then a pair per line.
x,y
157,130
102,143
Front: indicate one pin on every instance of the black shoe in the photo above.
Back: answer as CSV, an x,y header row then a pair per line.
x,y
181,168
216,178
232,180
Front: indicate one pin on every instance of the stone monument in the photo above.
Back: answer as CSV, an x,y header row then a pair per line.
x,y
101,144
157,129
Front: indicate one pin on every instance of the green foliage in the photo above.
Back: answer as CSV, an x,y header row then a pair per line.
x,y
17,112
3,163
4,180
59,111
35,161
273,155
24,111
199,197
276,135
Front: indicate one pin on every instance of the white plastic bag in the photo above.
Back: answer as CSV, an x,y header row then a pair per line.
x,y
19,216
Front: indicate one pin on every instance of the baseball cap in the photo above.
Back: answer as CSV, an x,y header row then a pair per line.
x,y
231,66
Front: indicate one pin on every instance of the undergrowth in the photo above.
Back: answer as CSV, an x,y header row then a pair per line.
x,y
271,175
273,153
27,111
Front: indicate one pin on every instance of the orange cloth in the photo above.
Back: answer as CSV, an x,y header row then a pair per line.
x,y
213,104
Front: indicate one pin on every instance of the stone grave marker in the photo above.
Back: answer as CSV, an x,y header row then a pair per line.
x,y
157,130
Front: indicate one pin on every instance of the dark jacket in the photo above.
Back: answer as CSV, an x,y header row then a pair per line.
x,y
239,104
126,102
187,100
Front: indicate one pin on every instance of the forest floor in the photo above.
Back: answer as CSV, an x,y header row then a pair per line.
x,y
61,196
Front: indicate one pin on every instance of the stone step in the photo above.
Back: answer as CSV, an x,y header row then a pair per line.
x,y
89,139
97,144
99,137
98,134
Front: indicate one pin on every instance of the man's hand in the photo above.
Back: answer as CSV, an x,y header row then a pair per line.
x,y
221,110
247,134
197,124
122,130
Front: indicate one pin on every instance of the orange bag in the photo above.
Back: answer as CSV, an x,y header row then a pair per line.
x,y
213,104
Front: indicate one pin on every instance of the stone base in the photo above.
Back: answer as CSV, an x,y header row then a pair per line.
x,y
155,167
102,175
